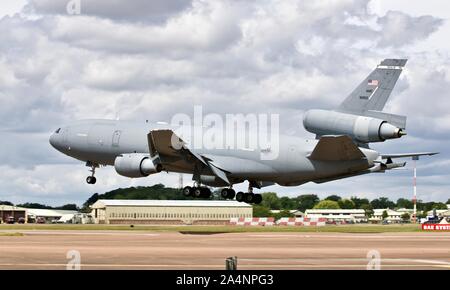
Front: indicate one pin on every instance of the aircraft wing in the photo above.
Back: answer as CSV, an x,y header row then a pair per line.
x,y
403,155
336,148
165,145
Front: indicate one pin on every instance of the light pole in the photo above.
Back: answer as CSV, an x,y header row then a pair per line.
x,y
414,217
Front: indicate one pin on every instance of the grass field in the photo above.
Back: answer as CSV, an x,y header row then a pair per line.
x,y
7,234
366,228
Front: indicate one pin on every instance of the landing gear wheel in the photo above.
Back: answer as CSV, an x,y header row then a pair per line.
x,y
231,193
249,197
187,191
224,193
240,196
197,192
228,193
257,199
205,192
91,180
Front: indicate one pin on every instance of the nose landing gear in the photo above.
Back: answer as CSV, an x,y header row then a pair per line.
x,y
91,179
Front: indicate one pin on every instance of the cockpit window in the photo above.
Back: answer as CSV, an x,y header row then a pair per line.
x,y
57,131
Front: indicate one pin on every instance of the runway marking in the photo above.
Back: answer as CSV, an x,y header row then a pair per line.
x,y
43,233
219,266
351,236
439,262
305,264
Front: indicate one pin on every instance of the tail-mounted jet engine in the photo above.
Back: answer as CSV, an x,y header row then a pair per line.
x,y
361,128
136,165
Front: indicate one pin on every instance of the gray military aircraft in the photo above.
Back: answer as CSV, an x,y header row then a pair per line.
x,y
340,150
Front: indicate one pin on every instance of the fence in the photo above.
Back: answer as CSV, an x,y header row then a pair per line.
x,y
270,221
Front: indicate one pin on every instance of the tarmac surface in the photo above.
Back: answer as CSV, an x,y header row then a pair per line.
x,y
41,249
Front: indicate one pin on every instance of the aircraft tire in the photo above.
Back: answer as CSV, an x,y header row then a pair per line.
x,y
91,180
187,191
240,196
198,192
231,193
257,199
224,193
249,197
206,192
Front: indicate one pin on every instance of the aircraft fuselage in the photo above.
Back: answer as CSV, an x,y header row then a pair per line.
x,y
101,141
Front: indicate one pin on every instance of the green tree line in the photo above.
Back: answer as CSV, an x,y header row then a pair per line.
x,y
271,201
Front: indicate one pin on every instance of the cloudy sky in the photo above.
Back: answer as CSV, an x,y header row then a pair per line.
x,y
140,59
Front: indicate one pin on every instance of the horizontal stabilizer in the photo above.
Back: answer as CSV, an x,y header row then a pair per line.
x,y
336,148
396,120
404,155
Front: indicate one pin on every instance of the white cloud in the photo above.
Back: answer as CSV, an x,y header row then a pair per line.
x,y
152,59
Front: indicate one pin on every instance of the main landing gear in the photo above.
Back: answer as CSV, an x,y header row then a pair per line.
x,y
91,179
248,197
197,191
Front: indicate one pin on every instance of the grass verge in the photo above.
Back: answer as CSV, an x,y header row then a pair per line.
x,y
224,229
11,234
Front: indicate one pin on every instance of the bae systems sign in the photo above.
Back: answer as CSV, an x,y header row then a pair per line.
x,y
436,227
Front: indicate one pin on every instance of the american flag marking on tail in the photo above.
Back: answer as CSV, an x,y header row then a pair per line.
x,y
372,83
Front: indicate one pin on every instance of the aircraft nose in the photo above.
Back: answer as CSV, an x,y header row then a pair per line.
x,y
53,141
56,140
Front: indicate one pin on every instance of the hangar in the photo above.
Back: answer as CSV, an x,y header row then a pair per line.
x,y
48,215
354,215
9,213
107,211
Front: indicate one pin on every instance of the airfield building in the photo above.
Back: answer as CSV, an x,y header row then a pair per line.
x,y
168,211
10,213
338,215
47,215
392,215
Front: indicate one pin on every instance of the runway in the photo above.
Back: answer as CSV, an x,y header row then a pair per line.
x,y
173,250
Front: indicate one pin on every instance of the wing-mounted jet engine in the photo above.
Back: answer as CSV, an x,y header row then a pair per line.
x,y
136,165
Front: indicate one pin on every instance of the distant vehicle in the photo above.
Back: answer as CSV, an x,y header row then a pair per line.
x,y
82,218
10,220
430,220
40,220
386,222
21,220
